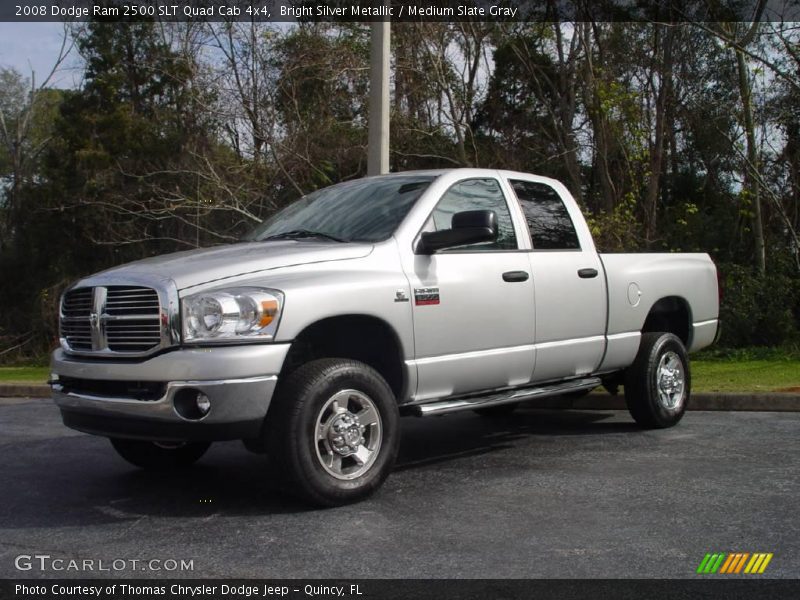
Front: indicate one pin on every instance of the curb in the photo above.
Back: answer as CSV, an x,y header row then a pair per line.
x,y
768,402
24,390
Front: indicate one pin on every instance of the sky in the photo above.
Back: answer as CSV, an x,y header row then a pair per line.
x,y
34,47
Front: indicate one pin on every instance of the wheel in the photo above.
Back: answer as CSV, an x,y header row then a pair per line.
x,y
333,429
658,383
159,456
501,410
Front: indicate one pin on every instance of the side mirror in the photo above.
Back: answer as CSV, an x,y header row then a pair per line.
x,y
468,227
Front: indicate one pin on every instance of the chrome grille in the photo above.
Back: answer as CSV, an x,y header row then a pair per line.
x,y
111,320
125,300
75,328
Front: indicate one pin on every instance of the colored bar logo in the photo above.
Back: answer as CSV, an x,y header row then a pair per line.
x,y
734,563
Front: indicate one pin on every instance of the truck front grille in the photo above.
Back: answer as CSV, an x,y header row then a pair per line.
x,y
116,320
75,310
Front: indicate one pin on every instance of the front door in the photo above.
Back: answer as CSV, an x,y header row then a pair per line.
x,y
473,305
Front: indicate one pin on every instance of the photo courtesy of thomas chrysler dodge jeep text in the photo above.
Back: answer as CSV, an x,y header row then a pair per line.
x,y
418,293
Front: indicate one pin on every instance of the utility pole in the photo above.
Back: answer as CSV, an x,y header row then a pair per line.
x,y
378,151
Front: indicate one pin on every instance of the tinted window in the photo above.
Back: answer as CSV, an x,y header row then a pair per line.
x,y
548,219
476,194
364,210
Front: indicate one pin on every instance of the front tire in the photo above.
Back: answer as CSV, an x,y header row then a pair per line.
x,y
334,431
159,456
658,383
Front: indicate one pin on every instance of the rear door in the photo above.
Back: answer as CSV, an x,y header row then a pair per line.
x,y
569,286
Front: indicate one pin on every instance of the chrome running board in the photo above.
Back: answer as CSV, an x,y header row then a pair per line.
x,y
441,407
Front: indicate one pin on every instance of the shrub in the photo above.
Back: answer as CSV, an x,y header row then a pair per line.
x,y
758,311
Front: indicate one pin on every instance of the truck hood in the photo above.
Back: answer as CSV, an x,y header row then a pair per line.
x,y
204,265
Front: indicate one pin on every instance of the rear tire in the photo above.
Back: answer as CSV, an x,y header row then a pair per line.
x,y
658,383
333,430
159,456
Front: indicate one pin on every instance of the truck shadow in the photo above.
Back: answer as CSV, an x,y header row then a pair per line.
x,y
436,440
78,481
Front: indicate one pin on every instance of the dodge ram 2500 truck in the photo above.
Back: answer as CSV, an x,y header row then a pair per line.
x,y
418,293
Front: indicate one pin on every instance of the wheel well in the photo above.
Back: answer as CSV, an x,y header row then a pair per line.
x,y
670,314
359,337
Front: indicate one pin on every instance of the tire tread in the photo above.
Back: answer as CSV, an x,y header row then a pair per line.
x,y
639,398
284,448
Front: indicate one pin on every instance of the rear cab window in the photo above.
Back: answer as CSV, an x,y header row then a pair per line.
x,y
548,219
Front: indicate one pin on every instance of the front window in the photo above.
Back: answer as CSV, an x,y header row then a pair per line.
x,y
364,210
475,194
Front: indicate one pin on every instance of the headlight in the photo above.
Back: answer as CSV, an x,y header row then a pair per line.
x,y
235,314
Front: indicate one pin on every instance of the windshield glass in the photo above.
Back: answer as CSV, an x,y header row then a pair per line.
x,y
364,210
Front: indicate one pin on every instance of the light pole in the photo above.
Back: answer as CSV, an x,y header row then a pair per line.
x,y
378,151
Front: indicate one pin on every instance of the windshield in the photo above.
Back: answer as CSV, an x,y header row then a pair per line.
x,y
364,210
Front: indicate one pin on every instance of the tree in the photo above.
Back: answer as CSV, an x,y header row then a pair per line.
x,y
26,114
321,102
532,102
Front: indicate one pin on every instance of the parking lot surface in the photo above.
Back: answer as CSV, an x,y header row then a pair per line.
x,y
564,494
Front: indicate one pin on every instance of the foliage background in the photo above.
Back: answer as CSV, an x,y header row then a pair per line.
x,y
682,137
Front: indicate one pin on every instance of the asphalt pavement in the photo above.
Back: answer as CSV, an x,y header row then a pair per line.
x,y
557,494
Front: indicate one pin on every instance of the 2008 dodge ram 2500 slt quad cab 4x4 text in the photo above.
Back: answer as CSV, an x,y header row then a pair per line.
x,y
417,293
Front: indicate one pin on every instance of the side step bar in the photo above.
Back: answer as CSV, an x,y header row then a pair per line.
x,y
441,407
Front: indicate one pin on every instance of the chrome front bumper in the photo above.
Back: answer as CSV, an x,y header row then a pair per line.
x,y
238,380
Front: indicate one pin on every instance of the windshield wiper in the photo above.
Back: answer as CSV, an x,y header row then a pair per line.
x,y
302,233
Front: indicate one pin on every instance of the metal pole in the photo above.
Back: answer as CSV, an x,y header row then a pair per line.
x,y
378,152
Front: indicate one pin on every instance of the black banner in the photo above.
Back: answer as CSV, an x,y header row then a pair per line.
x,y
388,589
400,10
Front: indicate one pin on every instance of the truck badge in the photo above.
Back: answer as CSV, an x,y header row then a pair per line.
x,y
426,296
400,296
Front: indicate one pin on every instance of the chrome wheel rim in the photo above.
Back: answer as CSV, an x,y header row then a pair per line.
x,y
671,381
348,434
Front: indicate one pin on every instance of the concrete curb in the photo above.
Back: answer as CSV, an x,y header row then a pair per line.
x,y
24,390
770,402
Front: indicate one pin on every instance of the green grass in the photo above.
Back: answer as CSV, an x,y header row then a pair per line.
x,y
708,375
24,374
745,376
770,353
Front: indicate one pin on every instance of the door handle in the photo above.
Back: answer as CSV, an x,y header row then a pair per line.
x,y
512,276
587,273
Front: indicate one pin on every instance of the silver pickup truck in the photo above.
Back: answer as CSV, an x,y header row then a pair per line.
x,y
418,293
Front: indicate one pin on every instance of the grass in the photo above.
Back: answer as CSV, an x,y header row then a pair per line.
x,y
709,374
745,376
24,374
